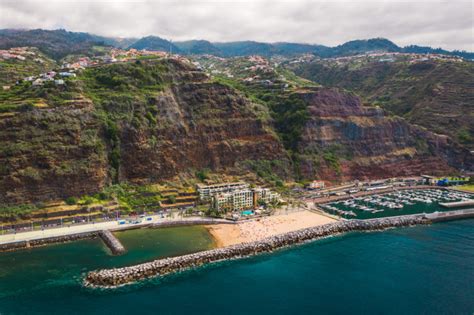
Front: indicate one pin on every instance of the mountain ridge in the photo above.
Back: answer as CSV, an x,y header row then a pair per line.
x,y
59,43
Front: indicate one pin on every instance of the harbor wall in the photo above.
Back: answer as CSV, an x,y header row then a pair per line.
x,y
457,204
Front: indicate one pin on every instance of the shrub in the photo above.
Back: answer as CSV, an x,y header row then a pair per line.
x,y
26,107
71,201
203,174
172,199
464,136
333,161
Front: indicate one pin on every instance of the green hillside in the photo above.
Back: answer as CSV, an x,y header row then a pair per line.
x,y
56,44
34,63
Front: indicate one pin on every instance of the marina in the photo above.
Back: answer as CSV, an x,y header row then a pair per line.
x,y
400,202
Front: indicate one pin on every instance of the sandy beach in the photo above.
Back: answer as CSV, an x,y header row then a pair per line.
x,y
253,230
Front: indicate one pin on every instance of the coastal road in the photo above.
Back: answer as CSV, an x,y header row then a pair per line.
x,y
98,226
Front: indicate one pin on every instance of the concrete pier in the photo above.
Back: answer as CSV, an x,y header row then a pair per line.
x,y
112,242
457,204
450,215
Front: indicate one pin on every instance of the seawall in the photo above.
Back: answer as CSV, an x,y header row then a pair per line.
x,y
121,276
47,241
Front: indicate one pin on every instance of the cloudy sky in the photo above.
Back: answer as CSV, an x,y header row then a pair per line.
x,y
447,24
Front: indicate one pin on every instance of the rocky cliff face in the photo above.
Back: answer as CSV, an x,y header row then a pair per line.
x,y
152,120
344,139
437,95
51,154
187,124
200,125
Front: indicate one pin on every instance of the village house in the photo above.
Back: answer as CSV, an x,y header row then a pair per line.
x,y
316,184
67,74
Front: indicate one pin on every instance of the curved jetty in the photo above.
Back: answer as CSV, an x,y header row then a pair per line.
x,y
120,276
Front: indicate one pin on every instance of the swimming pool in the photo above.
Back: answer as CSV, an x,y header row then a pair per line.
x,y
247,212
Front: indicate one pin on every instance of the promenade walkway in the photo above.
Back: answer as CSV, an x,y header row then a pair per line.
x,y
155,220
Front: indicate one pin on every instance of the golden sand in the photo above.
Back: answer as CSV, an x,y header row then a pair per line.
x,y
257,229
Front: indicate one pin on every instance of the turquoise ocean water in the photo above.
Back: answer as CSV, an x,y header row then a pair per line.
x,y
420,270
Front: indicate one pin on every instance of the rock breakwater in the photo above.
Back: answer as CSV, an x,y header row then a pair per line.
x,y
120,276
112,242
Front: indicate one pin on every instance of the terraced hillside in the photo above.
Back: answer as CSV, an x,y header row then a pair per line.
x,y
137,122
438,95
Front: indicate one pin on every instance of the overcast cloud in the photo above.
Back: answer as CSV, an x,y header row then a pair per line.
x,y
447,24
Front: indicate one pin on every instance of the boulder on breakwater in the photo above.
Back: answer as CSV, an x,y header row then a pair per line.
x,y
120,276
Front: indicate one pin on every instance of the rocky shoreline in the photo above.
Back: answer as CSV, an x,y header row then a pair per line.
x,y
121,276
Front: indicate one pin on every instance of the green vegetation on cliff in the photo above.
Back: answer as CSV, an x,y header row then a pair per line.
x,y
137,122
